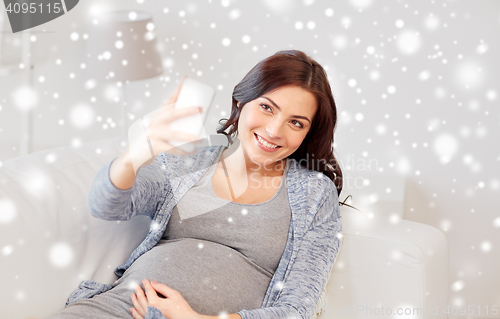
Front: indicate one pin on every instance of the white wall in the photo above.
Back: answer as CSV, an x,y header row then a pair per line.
x,y
433,137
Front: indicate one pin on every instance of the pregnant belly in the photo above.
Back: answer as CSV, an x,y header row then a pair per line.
x,y
213,278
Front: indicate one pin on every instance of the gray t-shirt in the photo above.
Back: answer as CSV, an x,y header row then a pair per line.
x,y
220,261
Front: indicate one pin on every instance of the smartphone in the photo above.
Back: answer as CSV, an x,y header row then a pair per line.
x,y
192,93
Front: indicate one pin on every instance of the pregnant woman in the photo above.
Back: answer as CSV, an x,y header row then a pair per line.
x,y
248,230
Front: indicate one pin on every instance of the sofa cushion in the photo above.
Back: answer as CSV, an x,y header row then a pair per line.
x,y
49,241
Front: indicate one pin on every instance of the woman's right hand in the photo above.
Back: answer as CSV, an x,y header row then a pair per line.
x,y
155,128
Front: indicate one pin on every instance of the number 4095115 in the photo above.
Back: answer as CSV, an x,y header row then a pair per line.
x,y
471,310
33,8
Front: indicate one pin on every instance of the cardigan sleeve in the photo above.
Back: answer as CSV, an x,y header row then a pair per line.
x,y
318,249
108,202
153,313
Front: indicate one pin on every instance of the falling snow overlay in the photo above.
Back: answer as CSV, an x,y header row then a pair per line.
x,y
416,85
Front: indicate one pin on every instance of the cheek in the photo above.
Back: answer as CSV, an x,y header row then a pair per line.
x,y
251,119
296,139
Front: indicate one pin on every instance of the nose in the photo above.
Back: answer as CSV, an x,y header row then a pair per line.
x,y
274,130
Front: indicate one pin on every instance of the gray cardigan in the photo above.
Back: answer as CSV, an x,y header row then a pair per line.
x,y
314,236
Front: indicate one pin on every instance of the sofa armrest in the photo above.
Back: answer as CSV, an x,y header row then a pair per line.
x,y
401,265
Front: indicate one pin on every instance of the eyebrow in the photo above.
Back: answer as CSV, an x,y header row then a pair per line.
x,y
279,109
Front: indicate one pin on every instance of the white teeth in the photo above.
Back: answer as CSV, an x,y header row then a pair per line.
x,y
266,143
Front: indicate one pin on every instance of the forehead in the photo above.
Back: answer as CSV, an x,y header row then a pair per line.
x,y
293,98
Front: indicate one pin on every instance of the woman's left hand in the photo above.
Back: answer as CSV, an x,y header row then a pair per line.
x,y
172,307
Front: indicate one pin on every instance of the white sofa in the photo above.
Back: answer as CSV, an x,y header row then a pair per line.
x,y
49,243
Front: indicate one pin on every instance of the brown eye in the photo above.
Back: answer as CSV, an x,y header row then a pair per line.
x,y
298,123
264,106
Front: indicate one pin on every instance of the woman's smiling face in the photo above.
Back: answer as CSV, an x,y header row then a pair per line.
x,y
281,117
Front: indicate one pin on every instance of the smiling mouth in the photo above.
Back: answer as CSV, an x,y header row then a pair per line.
x,y
265,143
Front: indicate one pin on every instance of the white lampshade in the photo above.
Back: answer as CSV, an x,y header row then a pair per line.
x,y
122,47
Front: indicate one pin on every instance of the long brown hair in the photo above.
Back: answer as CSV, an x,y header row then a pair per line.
x,y
293,67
